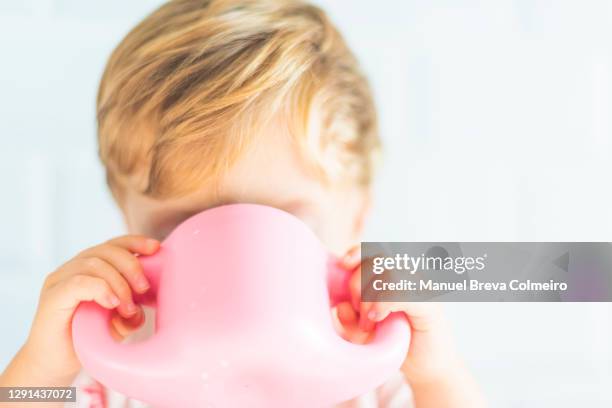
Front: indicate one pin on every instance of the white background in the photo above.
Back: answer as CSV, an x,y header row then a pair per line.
x,y
496,120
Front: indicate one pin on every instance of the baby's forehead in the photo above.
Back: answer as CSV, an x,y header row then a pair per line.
x,y
270,171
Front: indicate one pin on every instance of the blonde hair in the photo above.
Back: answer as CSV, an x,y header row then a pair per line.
x,y
185,91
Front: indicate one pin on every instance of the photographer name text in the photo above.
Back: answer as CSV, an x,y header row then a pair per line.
x,y
473,285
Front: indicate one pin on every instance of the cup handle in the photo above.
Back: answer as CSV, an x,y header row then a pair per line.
x,y
112,363
381,357
387,349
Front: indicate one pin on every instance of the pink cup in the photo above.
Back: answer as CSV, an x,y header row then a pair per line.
x,y
243,295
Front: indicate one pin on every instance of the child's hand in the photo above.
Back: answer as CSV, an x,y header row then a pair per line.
x,y
107,274
432,365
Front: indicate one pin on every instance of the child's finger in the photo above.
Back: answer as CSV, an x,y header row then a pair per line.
x,y
367,309
346,322
421,315
125,262
120,287
115,334
366,323
355,288
375,311
137,244
379,311
69,293
124,327
346,314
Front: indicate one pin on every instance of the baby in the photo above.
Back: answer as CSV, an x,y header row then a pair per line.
x,y
206,103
